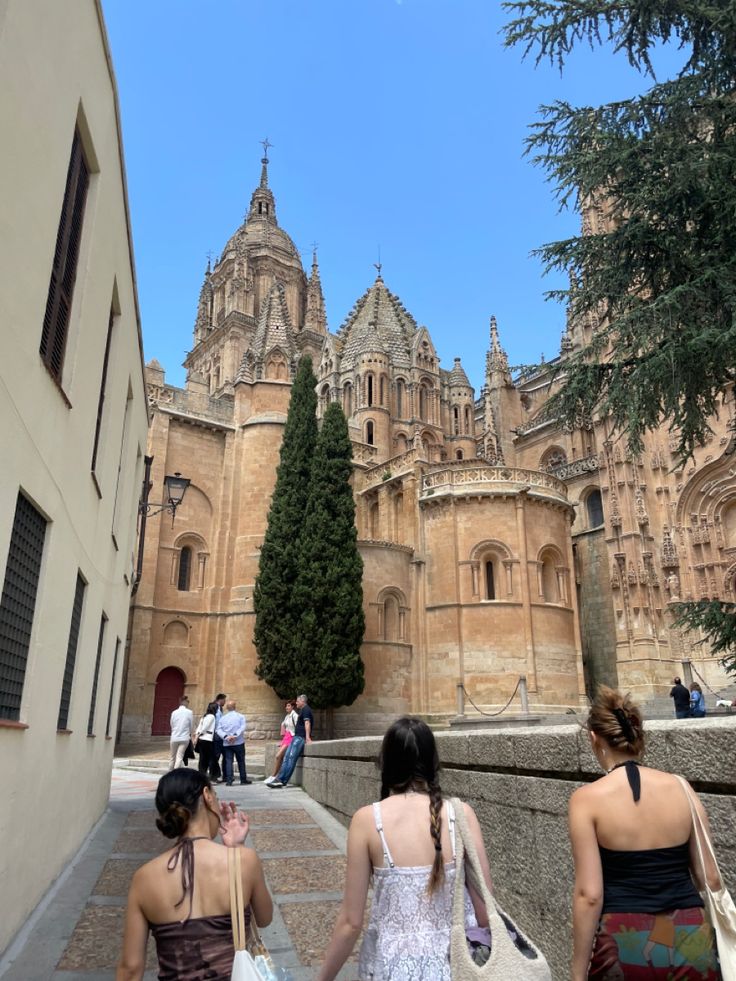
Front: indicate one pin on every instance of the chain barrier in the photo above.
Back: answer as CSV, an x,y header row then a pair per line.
x,y
695,671
491,714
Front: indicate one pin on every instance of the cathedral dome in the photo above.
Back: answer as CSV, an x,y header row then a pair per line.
x,y
378,322
260,232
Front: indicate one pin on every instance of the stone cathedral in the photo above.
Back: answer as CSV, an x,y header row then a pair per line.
x,y
495,543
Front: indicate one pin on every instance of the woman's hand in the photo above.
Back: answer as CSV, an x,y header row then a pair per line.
x,y
234,825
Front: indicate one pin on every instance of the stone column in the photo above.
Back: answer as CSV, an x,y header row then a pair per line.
x,y
575,613
531,671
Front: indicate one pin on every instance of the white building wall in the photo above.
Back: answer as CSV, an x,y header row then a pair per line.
x,y
55,73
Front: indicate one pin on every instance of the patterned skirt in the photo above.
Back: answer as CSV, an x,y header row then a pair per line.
x,y
678,945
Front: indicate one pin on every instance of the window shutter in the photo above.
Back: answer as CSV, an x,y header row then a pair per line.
x,y
103,385
18,603
71,654
64,269
93,699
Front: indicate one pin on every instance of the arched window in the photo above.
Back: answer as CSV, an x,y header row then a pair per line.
x,y
347,398
490,580
185,568
382,389
458,454
550,589
423,403
369,433
374,521
398,516
594,508
391,619
369,389
456,420
400,398
468,426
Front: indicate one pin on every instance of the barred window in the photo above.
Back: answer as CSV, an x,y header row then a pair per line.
x,y
64,267
93,699
18,603
112,686
71,654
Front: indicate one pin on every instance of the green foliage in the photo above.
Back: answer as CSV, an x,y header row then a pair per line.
x,y
717,621
660,284
277,613
329,590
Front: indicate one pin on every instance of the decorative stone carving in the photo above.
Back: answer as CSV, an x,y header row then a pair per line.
x,y
576,468
669,550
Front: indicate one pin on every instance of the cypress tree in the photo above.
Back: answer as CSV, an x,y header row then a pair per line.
x,y
329,588
277,614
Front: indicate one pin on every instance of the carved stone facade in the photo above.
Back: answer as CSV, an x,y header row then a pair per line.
x,y
489,534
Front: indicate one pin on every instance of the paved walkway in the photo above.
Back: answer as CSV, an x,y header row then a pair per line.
x,y
75,935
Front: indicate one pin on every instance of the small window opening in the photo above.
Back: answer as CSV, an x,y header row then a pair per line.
x,y
185,565
490,582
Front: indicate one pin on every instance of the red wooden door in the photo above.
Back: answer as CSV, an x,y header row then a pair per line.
x,y
169,689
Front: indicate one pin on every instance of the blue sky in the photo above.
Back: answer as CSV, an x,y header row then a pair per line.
x,y
395,123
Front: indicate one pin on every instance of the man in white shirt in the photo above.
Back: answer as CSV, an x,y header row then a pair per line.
x,y
182,722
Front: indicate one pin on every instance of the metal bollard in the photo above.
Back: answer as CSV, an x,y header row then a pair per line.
x,y
460,692
524,693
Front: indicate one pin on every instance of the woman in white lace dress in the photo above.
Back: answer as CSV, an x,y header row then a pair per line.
x,y
406,843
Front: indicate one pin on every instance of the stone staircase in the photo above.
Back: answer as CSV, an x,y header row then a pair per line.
x,y
153,757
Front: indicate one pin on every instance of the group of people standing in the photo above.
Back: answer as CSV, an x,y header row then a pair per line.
x,y
219,737
689,703
637,836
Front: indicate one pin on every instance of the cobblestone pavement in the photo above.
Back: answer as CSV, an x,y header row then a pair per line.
x,y
75,934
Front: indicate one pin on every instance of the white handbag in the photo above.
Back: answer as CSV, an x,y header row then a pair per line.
x,y
718,902
244,967
510,959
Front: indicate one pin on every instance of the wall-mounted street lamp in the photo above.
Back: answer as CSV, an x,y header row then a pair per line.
x,y
175,488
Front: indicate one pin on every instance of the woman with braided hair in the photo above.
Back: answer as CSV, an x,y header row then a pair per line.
x,y
406,842
182,897
636,909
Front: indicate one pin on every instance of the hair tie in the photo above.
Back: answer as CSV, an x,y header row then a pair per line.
x,y
625,723
437,846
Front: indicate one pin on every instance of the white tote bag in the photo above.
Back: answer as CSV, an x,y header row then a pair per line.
x,y
510,959
244,967
718,902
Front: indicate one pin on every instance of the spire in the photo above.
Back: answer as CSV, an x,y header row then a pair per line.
x,y
203,322
315,318
457,377
262,202
497,362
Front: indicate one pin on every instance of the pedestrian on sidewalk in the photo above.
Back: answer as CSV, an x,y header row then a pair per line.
x,y
288,728
697,701
231,729
681,697
204,737
215,770
183,895
302,735
182,723
405,844
637,912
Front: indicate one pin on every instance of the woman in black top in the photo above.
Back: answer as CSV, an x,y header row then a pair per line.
x,y
636,910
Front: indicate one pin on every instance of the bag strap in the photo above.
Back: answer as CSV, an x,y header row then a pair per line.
x,y
699,830
237,910
467,865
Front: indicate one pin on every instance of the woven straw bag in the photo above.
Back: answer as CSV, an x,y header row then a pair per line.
x,y
718,902
508,959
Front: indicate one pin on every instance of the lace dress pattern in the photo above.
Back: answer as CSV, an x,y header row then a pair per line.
x,y
408,935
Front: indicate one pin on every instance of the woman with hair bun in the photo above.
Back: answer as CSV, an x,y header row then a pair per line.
x,y
636,908
183,895
406,842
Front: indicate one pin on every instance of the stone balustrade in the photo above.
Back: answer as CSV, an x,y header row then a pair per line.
x,y
460,479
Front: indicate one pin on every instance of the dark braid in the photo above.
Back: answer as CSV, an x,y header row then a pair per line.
x,y
437,875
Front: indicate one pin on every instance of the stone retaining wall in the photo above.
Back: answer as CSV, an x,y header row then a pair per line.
x,y
519,782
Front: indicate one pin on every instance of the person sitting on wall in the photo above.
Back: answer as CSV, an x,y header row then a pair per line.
x,y
302,735
288,728
231,729
682,699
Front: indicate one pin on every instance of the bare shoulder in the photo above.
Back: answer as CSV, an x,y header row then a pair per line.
x,y
362,819
584,797
144,874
